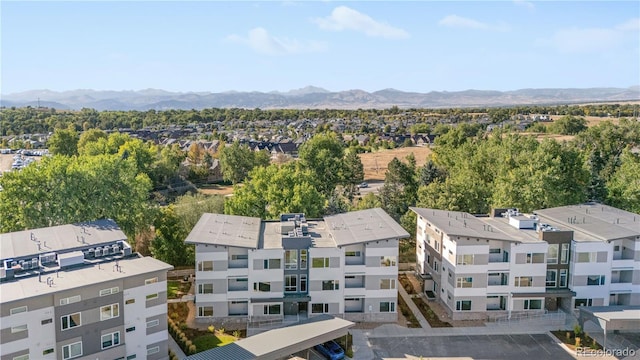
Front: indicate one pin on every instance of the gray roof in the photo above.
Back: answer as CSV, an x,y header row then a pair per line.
x,y
56,238
78,277
455,223
229,230
363,226
279,343
593,221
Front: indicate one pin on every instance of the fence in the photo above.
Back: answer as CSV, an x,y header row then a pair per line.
x,y
551,317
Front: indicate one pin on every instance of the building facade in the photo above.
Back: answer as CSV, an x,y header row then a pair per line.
x,y
78,292
484,266
249,269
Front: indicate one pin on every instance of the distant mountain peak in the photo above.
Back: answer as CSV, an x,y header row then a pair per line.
x,y
306,90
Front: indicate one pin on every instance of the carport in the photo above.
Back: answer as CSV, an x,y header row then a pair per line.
x,y
280,343
611,318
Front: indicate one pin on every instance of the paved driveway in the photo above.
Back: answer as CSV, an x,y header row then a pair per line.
x,y
520,347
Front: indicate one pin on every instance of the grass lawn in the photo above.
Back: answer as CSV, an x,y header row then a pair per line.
x,y
176,288
209,341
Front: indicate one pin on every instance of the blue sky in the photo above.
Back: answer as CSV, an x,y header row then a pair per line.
x,y
264,46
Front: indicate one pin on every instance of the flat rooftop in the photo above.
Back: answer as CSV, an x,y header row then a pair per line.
x,y
456,223
229,230
336,230
78,277
592,222
363,226
56,238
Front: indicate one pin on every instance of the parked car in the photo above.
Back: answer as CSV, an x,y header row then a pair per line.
x,y
331,350
363,184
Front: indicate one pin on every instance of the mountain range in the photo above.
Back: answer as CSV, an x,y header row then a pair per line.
x,y
310,97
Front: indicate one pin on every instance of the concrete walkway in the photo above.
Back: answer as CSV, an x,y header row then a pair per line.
x,y
173,345
414,308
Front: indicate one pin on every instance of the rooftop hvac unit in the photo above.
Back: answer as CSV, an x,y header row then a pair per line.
x,y
47,258
98,252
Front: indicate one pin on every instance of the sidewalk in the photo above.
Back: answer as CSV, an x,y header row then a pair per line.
x,y
414,309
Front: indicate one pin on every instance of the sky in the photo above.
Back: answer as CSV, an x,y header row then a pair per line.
x,y
418,46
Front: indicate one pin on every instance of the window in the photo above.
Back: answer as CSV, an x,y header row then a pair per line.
x,y
130,329
587,257
303,259
18,310
387,261
387,283
110,340
463,305
48,351
535,258
303,283
205,310
130,301
109,312
205,265
319,308
319,262
291,259
152,296
595,280
584,302
352,253
70,321
435,266
330,285
563,278
72,350
239,256
262,286
290,283
151,281
523,281
205,288
464,282
19,328
272,263
77,298
22,357
152,323
552,254
46,321
465,259
616,248
131,357
551,278
105,292
532,304
494,251
387,306
564,254
153,350
271,309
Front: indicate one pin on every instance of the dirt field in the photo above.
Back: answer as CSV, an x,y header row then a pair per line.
x,y
375,163
217,190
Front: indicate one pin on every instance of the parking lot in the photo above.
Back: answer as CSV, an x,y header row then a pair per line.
x,y
521,347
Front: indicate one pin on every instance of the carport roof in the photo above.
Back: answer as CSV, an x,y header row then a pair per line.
x,y
278,343
614,316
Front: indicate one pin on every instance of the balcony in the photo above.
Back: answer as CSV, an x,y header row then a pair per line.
x,y
238,264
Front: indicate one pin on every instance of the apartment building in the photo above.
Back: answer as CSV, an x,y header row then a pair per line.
x,y
252,269
508,262
78,291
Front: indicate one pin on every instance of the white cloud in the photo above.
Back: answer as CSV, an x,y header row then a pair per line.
x,y
630,25
528,4
261,41
344,18
455,21
589,40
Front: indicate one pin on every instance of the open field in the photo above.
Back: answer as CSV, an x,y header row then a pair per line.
x,y
375,163
216,189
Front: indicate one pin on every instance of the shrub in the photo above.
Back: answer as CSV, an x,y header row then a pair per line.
x,y
211,328
577,342
236,334
192,349
183,326
221,330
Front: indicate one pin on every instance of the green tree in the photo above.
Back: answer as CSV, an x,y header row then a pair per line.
x,y
189,208
89,136
63,142
61,190
369,201
400,187
273,190
322,155
624,185
236,161
168,244
352,174
568,125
